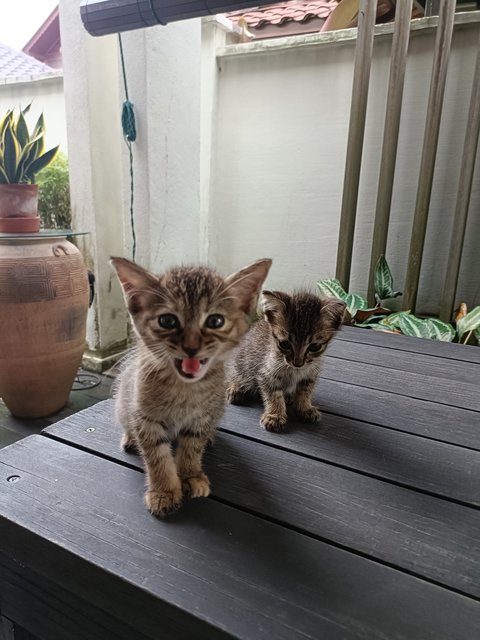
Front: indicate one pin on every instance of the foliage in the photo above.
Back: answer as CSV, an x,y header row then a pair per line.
x,y
380,318
54,195
22,155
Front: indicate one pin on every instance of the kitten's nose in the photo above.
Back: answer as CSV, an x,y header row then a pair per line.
x,y
298,362
191,352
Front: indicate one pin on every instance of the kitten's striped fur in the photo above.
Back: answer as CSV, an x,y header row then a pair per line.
x,y
281,355
172,388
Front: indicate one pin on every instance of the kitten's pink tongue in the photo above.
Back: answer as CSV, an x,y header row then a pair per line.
x,y
190,365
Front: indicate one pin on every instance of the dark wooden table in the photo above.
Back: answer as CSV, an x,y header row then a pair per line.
x,y
365,526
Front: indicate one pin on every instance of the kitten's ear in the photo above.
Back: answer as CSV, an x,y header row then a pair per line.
x,y
136,282
245,284
333,310
274,304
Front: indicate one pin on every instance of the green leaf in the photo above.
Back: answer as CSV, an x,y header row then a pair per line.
x,y
383,281
3,122
11,152
3,177
39,126
383,278
29,155
440,330
470,322
393,318
476,333
21,131
332,288
355,302
41,162
412,326
27,108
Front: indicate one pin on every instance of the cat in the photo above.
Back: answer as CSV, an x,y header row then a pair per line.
x,y
280,357
172,387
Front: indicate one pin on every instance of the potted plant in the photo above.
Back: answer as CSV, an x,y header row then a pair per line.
x,y
22,156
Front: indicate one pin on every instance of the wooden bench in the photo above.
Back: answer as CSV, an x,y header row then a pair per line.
x,y
365,526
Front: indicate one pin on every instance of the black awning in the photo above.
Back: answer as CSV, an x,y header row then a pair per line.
x,y
101,17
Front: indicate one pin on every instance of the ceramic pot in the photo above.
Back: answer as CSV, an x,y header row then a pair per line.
x,y
44,296
19,208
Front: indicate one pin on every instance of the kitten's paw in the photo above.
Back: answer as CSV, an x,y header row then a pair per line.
x,y
128,443
197,486
312,414
234,396
161,503
272,422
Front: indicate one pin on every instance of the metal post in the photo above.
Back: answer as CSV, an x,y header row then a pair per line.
x,y
463,197
429,151
358,109
393,111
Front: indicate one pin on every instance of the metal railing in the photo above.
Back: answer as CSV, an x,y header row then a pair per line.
x,y
363,56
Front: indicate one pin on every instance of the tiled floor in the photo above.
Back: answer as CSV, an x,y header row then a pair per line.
x,y
81,397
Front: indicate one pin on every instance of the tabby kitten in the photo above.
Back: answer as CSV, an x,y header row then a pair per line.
x,y
172,389
280,357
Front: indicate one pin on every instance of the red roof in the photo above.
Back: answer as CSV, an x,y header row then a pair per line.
x,y
282,12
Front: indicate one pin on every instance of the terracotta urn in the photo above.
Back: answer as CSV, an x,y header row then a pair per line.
x,y
44,296
19,208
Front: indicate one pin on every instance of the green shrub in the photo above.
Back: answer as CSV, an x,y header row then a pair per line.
x,y
54,195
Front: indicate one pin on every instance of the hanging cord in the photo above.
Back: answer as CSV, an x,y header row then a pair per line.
x,y
129,135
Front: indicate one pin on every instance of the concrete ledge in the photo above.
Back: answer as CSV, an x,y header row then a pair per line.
x,y
331,38
100,362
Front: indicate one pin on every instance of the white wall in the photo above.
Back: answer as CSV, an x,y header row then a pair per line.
x,y
279,158
240,154
46,95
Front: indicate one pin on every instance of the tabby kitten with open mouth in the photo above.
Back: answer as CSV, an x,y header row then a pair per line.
x,y
172,387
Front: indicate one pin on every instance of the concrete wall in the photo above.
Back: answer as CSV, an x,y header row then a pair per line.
x,y
46,94
279,157
240,154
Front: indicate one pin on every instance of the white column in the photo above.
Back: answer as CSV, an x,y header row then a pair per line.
x,y
95,142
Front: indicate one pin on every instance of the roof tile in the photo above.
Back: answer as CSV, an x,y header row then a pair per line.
x,y
16,63
282,12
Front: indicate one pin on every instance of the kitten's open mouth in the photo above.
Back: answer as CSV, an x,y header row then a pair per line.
x,y
191,368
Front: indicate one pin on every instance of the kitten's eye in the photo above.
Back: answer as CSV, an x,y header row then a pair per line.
x,y
168,321
315,347
284,345
215,321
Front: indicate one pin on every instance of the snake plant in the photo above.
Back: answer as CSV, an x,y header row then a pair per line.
x,y
21,154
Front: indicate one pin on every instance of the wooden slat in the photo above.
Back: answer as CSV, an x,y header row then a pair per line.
x,y
433,538
393,110
455,351
356,131
419,417
47,611
429,151
463,198
438,468
404,383
78,520
454,370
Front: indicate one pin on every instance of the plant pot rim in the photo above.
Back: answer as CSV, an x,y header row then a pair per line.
x,y
20,225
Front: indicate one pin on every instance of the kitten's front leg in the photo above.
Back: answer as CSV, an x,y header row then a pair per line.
x,y
303,401
164,489
274,417
188,458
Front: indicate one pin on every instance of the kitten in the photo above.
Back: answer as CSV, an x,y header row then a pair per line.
x,y
172,388
280,357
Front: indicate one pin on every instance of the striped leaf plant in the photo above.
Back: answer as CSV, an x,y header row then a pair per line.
x,y
380,318
22,153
